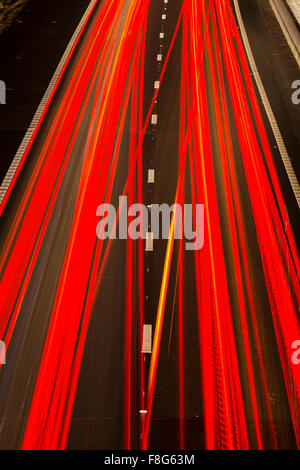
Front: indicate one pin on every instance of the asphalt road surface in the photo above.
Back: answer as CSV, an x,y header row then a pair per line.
x,y
158,104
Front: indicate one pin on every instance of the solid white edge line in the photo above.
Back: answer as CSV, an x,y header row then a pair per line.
x,y
277,134
22,148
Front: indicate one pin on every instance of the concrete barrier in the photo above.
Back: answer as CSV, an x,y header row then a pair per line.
x,y
294,7
288,26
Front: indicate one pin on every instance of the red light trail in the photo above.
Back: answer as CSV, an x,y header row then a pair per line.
x,y
91,152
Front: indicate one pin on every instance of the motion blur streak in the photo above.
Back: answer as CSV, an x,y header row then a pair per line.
x,y
220,374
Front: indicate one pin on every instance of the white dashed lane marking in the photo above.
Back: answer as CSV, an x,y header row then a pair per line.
x,y
147,339
154,119
151,175
149,241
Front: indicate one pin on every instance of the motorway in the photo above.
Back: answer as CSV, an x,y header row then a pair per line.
x,y
158,85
